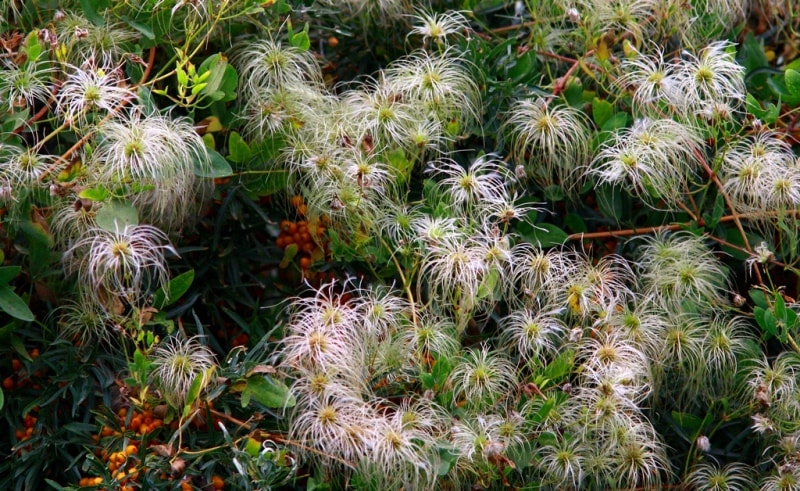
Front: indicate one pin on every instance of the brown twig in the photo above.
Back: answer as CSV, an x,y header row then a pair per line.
x,y
732,208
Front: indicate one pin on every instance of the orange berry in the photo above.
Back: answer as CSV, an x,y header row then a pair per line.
x,y
135,423
16,365
333,41
20,434
8,383
28,432
217,482
122,412
131,449
305,262
106,431
297,200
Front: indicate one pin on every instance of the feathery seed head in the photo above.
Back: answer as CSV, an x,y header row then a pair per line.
x,y
438,26
24,86
712,477
481,377
551,140
121,264
268,64
87,90
177,363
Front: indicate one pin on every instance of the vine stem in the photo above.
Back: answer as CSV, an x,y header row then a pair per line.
x,y
628,232
642,231
728,202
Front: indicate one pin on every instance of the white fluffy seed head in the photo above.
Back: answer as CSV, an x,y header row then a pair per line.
x,y
268,64
550,140
177,363
121,265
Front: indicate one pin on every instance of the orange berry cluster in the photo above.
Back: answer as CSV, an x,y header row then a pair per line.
x,y
24,433
307,235
20,378
125,465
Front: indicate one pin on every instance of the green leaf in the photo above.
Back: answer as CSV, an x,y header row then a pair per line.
x,y
301,40
268,392
441,370
560,367
8,273
522,68
217,166
2,398
428,382
92,9
230,81
780,307
13,305
174,290
767,115
238,149
33,47
690,423
617,121
574,93
759,298
37,243
575,223
115,215
215,66
766,320
792,79
602,111
183,77
99,193
713,218
545,235
199,382
778,87
143,29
